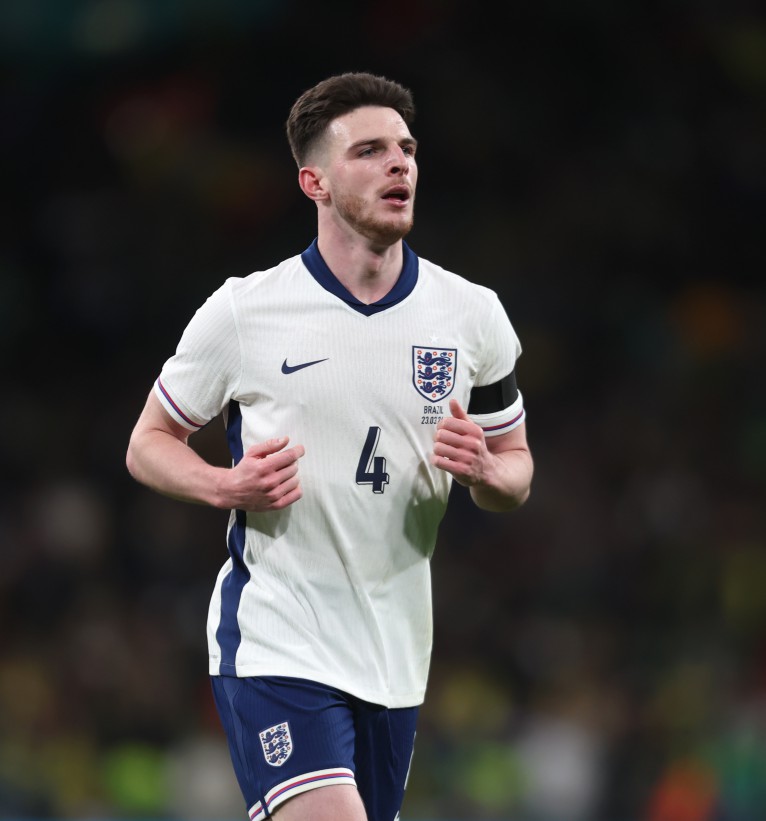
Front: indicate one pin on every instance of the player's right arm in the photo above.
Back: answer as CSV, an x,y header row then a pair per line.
x,y
159,456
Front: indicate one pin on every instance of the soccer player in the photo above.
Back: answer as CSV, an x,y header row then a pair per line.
x,y
356,380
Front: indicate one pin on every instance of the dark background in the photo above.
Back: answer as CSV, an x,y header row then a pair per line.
x,y
600,654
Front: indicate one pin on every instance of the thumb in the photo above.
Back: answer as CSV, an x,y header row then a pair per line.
x,y
456,409
261,449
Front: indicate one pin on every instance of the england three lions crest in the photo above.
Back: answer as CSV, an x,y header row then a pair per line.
x,y
277,744
433,371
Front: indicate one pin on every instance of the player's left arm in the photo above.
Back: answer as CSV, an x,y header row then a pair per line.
x,y
497,470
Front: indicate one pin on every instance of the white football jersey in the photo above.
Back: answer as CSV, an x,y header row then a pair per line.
x,y
336,587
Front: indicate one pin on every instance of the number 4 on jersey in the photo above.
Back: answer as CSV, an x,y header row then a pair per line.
x,y
371,469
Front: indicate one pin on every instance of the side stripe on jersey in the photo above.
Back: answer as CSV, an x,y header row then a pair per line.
x,y
228,634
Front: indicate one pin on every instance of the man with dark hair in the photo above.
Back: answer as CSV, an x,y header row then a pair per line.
x,y
391,376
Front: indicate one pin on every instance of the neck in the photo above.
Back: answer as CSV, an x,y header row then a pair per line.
x,y
366,271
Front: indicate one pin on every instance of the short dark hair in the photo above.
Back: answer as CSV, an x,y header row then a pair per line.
x,y
313,111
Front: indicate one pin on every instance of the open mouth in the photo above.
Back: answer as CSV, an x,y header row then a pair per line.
x,y
400,193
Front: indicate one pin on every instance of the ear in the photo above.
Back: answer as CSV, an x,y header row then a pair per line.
x,y
311,181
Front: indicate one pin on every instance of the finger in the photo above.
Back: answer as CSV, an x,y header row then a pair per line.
x,y
284,474
285,458
456,409
460,423
265,479
277,459
445,464
454,454
288,498
449,436
276,501
273,495
452,423
261,449
465,441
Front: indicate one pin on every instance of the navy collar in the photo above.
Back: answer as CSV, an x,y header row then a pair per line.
x,y
403,286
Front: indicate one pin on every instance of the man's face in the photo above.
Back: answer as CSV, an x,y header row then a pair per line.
x,y
371,173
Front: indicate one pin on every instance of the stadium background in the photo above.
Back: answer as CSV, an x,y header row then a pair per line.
x,y
601,654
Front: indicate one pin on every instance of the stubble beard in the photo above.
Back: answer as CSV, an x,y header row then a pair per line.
x,y
380,232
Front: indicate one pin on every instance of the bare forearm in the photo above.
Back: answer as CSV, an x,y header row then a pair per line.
x,y
169,466
265,479
507,486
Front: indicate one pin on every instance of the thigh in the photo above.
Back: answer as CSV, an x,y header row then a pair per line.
x,y
385,741
286,737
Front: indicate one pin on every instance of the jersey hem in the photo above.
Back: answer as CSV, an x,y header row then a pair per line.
x,y
414,699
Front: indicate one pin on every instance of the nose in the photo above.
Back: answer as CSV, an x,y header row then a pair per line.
x,y
397,161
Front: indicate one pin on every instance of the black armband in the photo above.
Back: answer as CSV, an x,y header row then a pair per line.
x,y
495,397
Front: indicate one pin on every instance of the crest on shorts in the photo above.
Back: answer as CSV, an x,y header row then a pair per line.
x,y
277,744
433,371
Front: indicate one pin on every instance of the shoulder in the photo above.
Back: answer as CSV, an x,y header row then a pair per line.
x,y
224,304
463,288
276,276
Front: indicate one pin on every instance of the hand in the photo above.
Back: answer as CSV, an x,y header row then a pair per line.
x,y
460,448
266,478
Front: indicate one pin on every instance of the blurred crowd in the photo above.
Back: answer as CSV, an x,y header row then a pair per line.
x,y
600,654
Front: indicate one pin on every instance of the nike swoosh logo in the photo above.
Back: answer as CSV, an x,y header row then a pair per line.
x,y
293,368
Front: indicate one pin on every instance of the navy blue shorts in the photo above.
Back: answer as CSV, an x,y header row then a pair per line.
x,y
289,735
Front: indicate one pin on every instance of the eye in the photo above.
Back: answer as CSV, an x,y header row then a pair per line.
x,y
408,150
